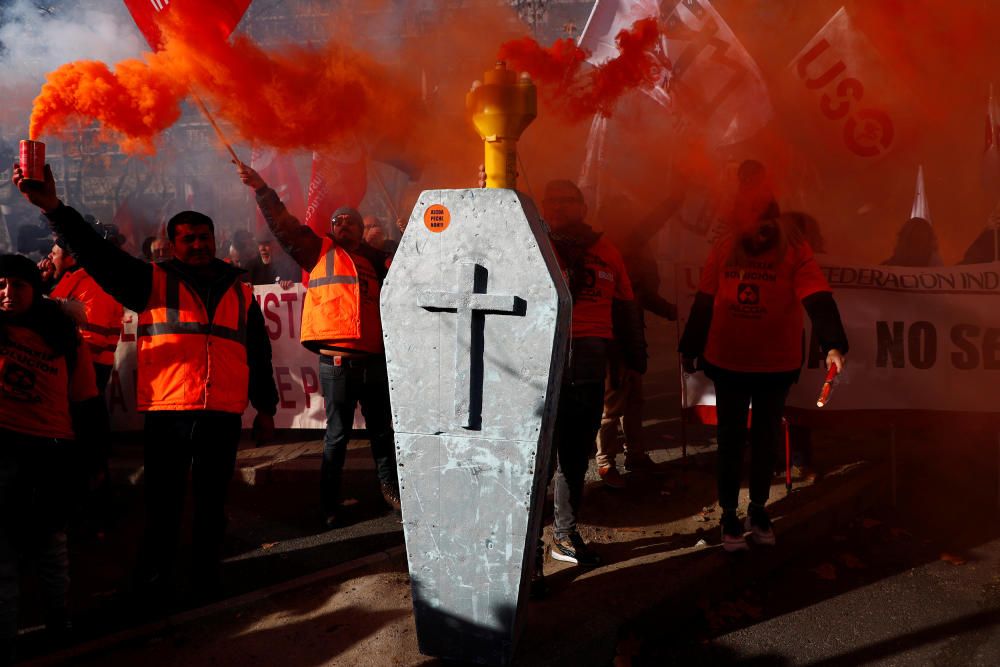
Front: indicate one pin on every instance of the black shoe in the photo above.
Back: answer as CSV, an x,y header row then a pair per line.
x,y
732,532
538,588
574,550
206,584
58,629
152,595
390,494
642,463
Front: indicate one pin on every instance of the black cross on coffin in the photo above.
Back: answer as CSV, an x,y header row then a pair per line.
x,y
471,308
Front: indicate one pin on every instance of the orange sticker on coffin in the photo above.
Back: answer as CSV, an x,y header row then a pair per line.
x,y
437,218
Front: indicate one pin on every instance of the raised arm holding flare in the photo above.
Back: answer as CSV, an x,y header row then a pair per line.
x,y
202,354
341,321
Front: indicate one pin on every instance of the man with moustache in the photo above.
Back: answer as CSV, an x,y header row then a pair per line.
x,y
202,354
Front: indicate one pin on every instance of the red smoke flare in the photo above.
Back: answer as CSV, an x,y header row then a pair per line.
x,y
295,98
576,94
136,100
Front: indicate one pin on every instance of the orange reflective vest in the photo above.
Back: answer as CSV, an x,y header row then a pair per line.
x,y
332,308
186,362
103,327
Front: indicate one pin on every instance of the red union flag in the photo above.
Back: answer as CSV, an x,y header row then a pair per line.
x,y
226,14
847,85
707,78
339,178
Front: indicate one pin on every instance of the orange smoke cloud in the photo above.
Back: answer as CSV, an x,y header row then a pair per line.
x,y
136,100
576,94
296,98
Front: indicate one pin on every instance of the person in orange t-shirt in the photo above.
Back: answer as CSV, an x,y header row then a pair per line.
x,y
746,327
45,373
604,310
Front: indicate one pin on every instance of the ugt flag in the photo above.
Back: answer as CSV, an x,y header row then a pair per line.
x,y
225,14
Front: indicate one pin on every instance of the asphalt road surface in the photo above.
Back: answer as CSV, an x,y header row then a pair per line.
x,y
914,584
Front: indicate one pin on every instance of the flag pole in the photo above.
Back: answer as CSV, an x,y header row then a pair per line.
x,y
385,191
215,126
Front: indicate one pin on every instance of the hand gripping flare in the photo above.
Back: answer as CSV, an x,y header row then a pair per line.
x,y
824,393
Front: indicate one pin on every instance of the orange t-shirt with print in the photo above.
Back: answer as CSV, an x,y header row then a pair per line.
x,y
604,280
36,387
757,312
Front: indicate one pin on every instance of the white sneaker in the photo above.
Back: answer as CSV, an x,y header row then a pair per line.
x,y
732,534
758,523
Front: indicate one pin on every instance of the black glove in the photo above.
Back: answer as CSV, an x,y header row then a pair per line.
x,y
671,312
689,365
638,363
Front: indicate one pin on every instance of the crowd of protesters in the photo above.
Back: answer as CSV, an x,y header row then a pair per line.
x,y
204,356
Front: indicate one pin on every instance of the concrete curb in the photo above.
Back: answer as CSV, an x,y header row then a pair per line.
x,y
596,644
240,601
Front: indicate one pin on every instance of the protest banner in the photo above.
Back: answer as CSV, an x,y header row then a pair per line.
x,y
922,340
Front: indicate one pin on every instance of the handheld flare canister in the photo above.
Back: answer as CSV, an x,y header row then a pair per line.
x,y
502,105
824,393
32,160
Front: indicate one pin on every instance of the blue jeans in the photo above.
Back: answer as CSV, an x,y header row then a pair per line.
x,y
578,419
357,380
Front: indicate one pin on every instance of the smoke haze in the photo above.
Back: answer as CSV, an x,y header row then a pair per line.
x,y
373,75
33,42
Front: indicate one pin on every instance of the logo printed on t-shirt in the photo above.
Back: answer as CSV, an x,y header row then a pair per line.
x,y
748,294
18,383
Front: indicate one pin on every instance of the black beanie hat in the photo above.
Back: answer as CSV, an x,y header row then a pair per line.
x,y
19,266
352,213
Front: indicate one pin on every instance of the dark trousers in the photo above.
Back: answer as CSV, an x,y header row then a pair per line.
x,y
356,380
100,420
178,441
103,374
34,499
578,418
733,395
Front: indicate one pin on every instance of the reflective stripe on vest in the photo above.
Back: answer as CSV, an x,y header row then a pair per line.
x,y
173,325
102,331
103,328
332,307
331,277
186,362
